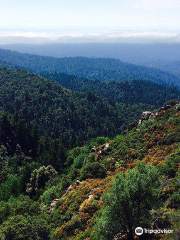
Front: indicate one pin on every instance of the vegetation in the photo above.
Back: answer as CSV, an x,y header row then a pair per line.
x,y
128,92
91,68
129,201
173,67
61,180
106,189
72,117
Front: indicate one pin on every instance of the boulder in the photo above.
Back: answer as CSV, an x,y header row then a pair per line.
x,y
144,117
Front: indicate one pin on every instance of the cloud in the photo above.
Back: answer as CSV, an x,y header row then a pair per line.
x,y
71,37
156,4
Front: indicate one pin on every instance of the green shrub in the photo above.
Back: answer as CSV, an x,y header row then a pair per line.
x,y
93,170
25,228
12,187
128,204
170,166
98,141
78,161
4,211
72,154
49,195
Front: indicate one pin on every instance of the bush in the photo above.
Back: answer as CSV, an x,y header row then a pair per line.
x,y
4,211
72,154
78,161
93,170
25,228
39,178
12,187
128,204
171,165
49,195
98,141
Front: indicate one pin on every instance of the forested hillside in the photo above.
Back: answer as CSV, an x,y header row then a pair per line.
x,y
76,164
127,52
70,116
173,67
135,174
128,92
92,68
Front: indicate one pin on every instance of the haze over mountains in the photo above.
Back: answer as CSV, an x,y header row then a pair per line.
x,y
89,37
165,57
133,53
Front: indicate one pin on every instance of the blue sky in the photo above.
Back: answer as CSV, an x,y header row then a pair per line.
x,y
90,15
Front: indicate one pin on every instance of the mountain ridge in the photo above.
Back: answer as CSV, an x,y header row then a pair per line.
x,y
128,92
100,69
81,115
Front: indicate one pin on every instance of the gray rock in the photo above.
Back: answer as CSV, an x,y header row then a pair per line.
x,y
144,117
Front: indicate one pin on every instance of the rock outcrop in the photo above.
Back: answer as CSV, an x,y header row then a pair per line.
x,y
101,150
145,116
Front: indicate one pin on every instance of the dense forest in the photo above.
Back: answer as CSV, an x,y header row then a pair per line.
x,y
72,117
92,68
135,174
173,67
128,92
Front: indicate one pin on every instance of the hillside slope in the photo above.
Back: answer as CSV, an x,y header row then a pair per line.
x,y
108,189
128,92
157,144
173,67
70,116
92,68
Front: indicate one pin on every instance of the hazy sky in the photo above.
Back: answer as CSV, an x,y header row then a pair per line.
x,y
89,15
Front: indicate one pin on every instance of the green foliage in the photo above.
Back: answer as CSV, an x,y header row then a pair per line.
x,y
72,154
171,165
39,178
15,131
128,92
40,122
93,170
12,187
4,211
53,153
128,204
79,160
15,220
50,194
92,68
72,117
25,228
174,199
96,142
174,217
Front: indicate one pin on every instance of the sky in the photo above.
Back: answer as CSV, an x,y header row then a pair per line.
x,y
88,16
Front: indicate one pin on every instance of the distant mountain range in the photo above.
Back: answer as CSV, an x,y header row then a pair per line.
x,y
91,68
132,53
172,67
